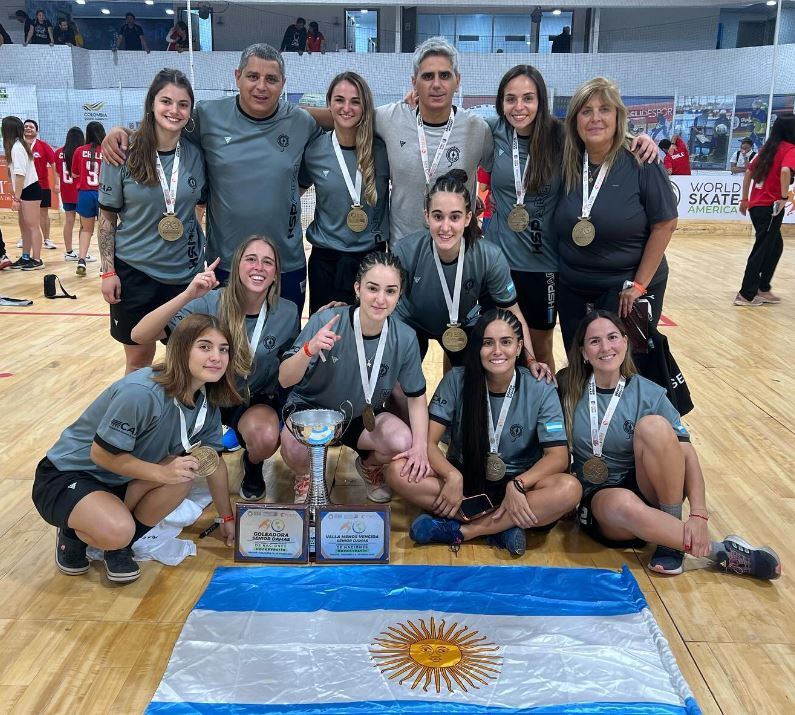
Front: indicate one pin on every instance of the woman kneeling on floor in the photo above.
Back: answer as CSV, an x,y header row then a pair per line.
x,y
507,441
633,457
131,458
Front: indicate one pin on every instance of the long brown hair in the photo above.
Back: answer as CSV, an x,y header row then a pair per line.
x,y
74,139
232,306
545,140
143,142
173,373
783,129
576,375
13,130
364,131
574,146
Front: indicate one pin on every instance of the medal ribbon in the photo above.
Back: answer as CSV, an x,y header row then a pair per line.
x,y
598,431
260,324
496,432
169,190
429,172
452,303
354,190
183,429
368,385
518,180
588,201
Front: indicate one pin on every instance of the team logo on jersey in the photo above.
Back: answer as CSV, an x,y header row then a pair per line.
x,y
334,359
384,370
453,154
469,283
193,183
269,342
283,141
227,139
402,143
629,428
516,431
385,395
121,426
325,172
417,279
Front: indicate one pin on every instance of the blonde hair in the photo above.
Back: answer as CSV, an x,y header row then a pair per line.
x,y
364,132
574,146
232,306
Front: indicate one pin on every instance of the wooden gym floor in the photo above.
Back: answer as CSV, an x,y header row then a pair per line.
x,y
81,645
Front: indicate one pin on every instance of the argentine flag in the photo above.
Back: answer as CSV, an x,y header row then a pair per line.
x,y
372,640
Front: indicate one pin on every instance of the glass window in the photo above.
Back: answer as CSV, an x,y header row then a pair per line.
x,y
552,26
512,33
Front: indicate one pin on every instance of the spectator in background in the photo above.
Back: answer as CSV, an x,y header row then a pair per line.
x,y
315,39
43,158
294,39
743,156
22,17
562,42
5,39
131,35
177,38
676,159
39,31
63,34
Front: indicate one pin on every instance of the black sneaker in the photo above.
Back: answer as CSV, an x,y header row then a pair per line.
x,y
120,565
33,264
81,267
252,488
513,539
756,561
19,264
427,529
667,560
70,555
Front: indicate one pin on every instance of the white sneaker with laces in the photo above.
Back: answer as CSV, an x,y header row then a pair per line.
x,y
49,244
374,482
70,256
90,258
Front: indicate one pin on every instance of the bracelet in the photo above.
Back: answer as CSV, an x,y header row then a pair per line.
x,y
225,519
109,274
519,486
307,351
530,360
699,516
640,287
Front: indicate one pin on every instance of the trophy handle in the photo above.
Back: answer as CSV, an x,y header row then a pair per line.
x,y
287,411
348,415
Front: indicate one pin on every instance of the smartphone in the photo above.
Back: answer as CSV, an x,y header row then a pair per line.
x,y
473,507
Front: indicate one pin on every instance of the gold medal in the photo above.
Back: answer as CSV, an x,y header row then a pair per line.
x,y
356,219
518,218
454,339
368,417
208,460
170,228
595,470
583,232
495,467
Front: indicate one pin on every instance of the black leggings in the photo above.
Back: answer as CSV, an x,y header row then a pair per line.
x,y
765,254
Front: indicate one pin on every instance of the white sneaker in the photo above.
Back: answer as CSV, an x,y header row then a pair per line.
x,y
90,258
19,243
70,256
49,244
374,482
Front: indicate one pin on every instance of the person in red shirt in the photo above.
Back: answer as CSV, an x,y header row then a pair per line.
x,y
771,173
484,192
86,163
315,39
63,167
43,159
676,160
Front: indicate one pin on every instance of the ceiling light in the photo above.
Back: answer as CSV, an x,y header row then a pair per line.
x,y
772,2
80,2
149,2
556,12
169,11
364,12
104,11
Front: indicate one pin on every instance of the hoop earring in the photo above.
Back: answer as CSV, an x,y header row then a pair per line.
x,y
193,128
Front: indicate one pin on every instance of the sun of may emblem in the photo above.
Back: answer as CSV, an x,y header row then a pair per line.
x,y
454,655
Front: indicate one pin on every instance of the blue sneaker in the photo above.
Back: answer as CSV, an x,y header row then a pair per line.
x,y
230,441
513,539
667,560
427,529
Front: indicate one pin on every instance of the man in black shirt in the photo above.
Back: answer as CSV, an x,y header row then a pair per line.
x,y
561,42
294,39
5,38
63,34
131,35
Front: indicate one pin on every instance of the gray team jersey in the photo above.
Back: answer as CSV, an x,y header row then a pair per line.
x,y
252,174
132,415
422,304
469,146
534,421
281,326
536,248
140,209
641,397
329,228
632,198
329,384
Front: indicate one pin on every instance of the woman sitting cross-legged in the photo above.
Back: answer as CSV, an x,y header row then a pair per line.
x,y
507,440
634,459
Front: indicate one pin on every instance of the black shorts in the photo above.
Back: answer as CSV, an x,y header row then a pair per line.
x,y
589,523
230,416
350,437
56,493
332,274
31,193
537,297
140,295
423,339
46,198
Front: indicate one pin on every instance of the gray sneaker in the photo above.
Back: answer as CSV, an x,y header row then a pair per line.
x,y
120,565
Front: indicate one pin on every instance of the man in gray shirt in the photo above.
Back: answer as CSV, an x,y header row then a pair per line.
x,y
252,144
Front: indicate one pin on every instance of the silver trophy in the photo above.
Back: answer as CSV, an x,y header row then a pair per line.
x,y
317,429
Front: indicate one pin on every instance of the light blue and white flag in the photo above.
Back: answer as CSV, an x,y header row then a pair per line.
x,y
366,640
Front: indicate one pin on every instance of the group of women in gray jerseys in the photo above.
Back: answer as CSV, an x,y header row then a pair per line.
x,y
520,454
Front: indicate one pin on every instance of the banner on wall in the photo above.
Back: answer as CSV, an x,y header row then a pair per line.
x,y
715,197
19,101
705,124
750,117
652,115
482,105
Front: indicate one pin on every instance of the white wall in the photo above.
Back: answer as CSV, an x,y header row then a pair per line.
x,y
13,28
658,29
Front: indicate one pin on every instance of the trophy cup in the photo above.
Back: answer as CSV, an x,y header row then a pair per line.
x,y
317,429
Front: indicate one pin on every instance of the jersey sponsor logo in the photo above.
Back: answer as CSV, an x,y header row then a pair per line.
x,y
384,370
269,342
121,426
105,189
516,431
73,485
402,143
453,154
438,400
116,322
553,426
629,428
227,139
283,141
